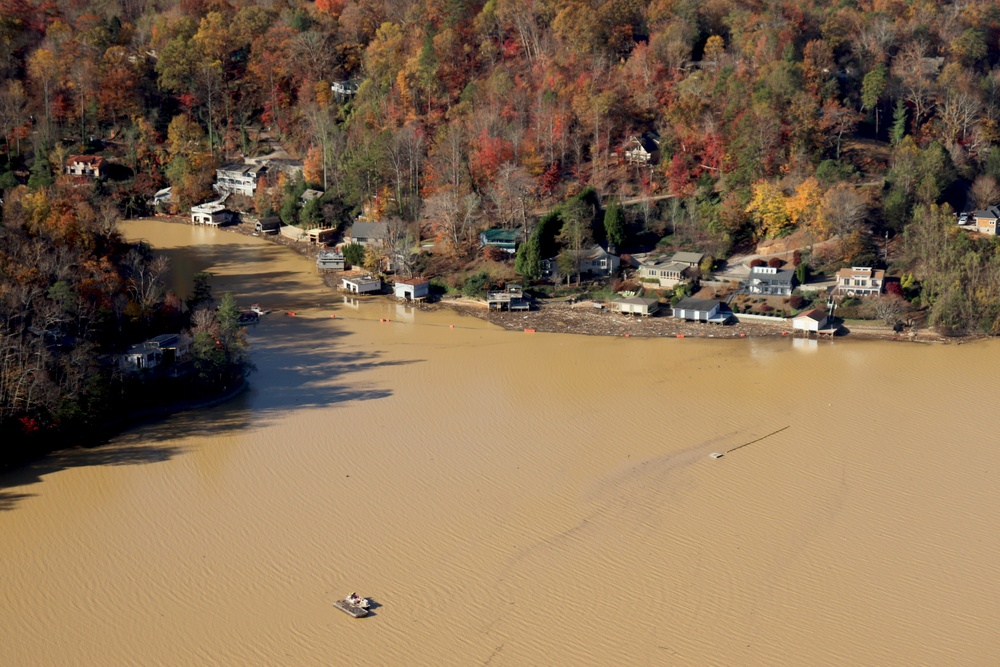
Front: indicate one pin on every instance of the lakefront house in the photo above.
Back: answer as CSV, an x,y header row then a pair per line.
x,y
860,281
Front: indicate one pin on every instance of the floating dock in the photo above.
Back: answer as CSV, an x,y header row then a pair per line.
x,y
350,609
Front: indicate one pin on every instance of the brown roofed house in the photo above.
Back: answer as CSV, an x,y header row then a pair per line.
x,y
92,166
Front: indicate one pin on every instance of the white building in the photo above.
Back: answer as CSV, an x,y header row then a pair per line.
x,y
361,285
412,289
211,213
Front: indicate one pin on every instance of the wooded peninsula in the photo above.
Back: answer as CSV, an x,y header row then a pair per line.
x,y
822,134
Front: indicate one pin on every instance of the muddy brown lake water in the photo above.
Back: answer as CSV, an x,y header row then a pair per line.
x,y
513,499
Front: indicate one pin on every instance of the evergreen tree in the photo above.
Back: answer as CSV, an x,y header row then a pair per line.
x,y
614,223
898,131
528,262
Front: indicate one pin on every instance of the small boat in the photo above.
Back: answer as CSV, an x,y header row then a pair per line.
x,y
716,455
354,605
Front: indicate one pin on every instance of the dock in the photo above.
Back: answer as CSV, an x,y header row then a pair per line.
x,y
352,610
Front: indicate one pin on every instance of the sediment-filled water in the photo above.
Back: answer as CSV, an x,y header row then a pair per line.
x,y
515,499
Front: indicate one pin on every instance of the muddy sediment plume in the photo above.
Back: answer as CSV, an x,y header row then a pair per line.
x,y
513,499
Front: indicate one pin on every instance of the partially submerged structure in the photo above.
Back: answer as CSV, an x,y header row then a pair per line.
x,y
361,284
511,297
412,289
211,213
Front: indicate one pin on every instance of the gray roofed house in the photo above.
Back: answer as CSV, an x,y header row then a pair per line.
x,y
701,310
666,272
692,259
769,281
310,195
986,220
368,233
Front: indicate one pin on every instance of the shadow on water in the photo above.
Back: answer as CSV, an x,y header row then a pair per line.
x,y
299,368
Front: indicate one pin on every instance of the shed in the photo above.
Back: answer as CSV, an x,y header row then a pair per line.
x,y
700,310
636,305
361,285
810,320
412,289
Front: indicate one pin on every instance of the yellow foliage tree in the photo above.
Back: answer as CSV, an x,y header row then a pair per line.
x,y
769,210
803,206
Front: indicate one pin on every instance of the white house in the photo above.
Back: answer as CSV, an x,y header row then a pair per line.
x,y
345,88
642,149
93,166
860,281
770,281
361,285
810,320
239,178
412,289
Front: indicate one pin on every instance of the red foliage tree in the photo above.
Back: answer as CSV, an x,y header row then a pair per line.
x,y
756,262
894,287
775,263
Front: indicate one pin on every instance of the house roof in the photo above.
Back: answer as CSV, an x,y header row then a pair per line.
x,y
688,257
501,235
369,230
813,314
991,213
311,194
691,303
861,272
596,252
270,221
362,281
662,262
92,160
636,301
647,141
771,275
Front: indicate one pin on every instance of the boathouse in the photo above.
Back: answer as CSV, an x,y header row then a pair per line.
x,y
636,305
361,285
412,289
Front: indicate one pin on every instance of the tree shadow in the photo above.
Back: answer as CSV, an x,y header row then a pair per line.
x,y
295,373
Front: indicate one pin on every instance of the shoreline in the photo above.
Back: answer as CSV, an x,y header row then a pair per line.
x,y
584,319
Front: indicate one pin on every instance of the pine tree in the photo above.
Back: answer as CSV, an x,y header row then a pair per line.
x,y
898,131
614,224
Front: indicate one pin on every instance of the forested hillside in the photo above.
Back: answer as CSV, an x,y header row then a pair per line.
x,y
867,121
